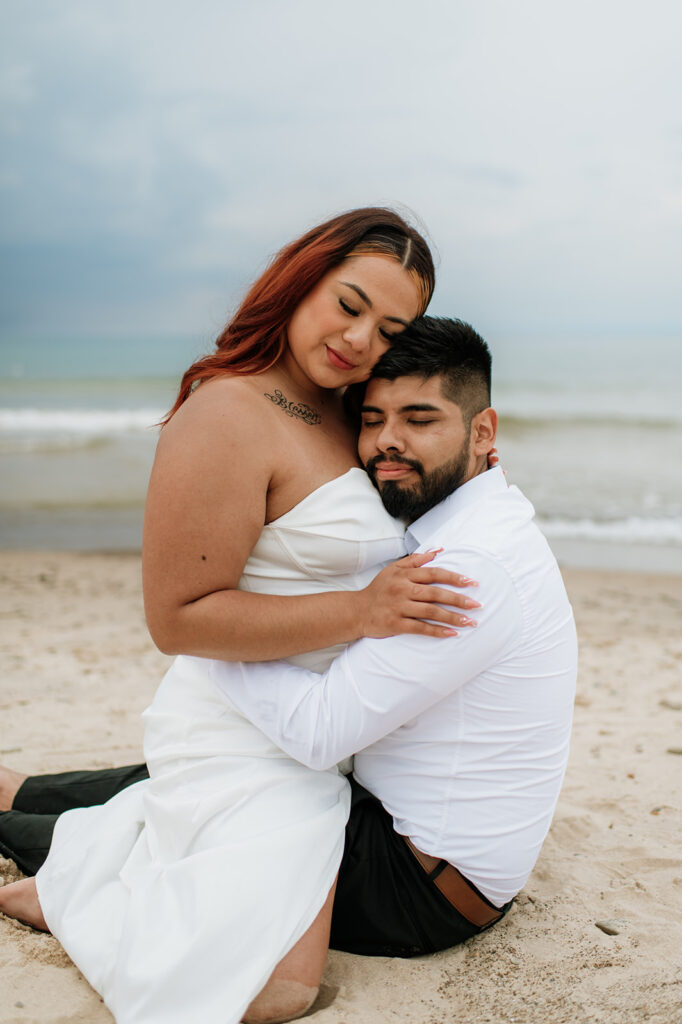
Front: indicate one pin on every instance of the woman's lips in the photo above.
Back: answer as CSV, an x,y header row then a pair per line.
x,y
337,360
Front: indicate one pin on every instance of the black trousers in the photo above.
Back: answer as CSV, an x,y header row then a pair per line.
x,y
385,903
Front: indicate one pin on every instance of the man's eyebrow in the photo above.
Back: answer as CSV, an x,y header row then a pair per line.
x,y
365,298
416,407
420,407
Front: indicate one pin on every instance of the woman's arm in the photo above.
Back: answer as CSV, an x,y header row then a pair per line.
x,y
206,507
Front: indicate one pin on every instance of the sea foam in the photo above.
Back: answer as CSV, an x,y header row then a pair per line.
x,y
630,530
99,422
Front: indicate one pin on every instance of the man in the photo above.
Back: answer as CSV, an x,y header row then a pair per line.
x,y
461,743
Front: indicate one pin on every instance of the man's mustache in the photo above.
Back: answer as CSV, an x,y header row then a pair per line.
x,y
372,464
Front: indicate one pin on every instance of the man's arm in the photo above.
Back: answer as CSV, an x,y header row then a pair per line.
x,y
375,686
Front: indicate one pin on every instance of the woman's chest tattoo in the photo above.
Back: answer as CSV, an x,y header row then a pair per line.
x,y
299,410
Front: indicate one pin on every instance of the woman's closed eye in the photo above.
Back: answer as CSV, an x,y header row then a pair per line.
x,y
348,309
386,335
389,335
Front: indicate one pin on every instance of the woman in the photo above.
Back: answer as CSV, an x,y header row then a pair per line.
x,y
251,551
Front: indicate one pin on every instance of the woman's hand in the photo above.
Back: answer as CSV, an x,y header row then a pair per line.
x,y
402,598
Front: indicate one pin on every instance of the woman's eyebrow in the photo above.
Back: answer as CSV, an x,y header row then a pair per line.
x,y
365,298
356,288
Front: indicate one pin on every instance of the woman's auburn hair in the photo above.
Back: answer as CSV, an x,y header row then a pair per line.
x,y
255,337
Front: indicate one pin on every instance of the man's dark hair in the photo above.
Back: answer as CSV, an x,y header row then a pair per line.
x,y
432,347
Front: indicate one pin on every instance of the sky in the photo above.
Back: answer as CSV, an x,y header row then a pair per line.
x,y
155,153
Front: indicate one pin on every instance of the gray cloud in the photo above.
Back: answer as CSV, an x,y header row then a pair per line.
x,y
156,153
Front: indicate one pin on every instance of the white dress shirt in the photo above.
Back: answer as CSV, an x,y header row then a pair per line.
x,y
465,739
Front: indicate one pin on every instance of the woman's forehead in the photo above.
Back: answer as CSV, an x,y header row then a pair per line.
x,y
382,284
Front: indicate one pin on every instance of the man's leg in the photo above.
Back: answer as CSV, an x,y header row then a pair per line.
x,y
26,838
37,801
52,794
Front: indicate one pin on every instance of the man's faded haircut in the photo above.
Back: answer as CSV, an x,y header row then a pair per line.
x,y
437,347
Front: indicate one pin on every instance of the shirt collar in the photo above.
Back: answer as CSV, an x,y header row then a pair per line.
x,y
492,481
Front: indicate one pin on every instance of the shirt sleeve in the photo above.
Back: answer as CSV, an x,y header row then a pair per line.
x,y
375,686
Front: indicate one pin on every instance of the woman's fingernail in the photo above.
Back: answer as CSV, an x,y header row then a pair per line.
x,y
473,604
431,554
465,621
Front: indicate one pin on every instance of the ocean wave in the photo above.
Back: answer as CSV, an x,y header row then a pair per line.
x,y
538,418
575,405
514,416
51,443
630,530
93,422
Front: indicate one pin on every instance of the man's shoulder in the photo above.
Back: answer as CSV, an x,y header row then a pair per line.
x,y
498,538
494,523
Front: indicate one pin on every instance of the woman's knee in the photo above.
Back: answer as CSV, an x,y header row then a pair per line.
x,y
281,1000
293,985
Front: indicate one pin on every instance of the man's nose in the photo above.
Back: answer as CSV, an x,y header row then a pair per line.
x,y
390,439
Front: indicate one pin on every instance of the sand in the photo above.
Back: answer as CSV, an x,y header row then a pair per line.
x,y
78,667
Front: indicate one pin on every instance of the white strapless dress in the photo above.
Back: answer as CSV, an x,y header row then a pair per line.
x,y
177,898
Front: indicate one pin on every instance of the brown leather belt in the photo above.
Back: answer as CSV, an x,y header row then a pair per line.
x,y
457,891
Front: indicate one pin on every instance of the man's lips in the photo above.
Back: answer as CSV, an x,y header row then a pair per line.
x,y
392,470
337,360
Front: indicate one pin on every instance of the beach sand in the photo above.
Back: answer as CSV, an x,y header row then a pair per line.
x,y
78,667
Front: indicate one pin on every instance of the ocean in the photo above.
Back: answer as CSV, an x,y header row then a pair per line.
x,y
591,430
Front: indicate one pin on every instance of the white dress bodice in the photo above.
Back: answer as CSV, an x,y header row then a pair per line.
x,y
337,538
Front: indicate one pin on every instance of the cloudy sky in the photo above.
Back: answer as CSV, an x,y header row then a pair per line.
x,y
155,152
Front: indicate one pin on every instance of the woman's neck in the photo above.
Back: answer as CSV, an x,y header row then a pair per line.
x,y
299,387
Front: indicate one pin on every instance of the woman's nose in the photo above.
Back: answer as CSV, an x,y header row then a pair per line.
x,y
358,335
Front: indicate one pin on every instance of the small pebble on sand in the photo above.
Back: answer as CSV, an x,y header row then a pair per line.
x,y
610,927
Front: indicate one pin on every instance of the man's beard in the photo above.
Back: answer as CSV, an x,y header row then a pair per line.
x,y
411,502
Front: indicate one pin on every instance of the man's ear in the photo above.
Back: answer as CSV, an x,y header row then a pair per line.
x,y
483,431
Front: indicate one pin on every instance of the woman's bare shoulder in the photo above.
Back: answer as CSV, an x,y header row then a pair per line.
x,y
220,395
214,463
225,407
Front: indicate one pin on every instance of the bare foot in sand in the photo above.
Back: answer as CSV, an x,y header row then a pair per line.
x,y
20,900
9,784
